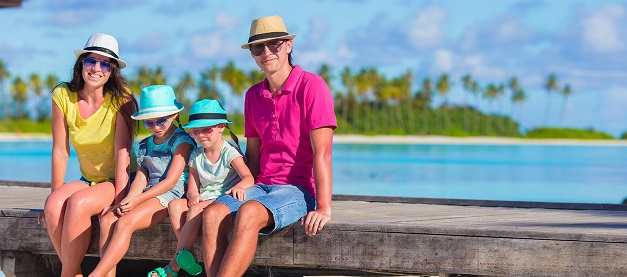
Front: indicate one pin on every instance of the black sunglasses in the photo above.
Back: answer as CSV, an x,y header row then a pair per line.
x,y
273,46
89,63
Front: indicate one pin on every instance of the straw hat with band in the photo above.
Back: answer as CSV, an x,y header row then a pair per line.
x,y
102,44
157,101
206,113
266,29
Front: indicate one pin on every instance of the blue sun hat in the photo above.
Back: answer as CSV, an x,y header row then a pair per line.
x,y
157,101
205,113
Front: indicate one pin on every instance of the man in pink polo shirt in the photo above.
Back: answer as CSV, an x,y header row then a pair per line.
x,y
289,123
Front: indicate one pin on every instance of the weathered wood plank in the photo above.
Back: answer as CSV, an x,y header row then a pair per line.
x,y
419,253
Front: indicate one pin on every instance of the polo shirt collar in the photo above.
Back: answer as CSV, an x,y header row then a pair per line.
x,y
290,83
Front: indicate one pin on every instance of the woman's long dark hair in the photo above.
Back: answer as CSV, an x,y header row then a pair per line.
x,y
121,96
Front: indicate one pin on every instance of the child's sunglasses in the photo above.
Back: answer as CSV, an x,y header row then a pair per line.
x,y
89,63
159,122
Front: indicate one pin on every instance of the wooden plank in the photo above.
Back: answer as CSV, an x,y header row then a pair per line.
x,y
19,231
419,253
23,197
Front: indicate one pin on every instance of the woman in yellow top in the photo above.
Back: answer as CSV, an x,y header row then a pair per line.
x,y
93,112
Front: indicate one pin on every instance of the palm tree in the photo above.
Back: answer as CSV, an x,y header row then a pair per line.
x,y
142,79
375,83
36,86
4,75
325,72
500,91
467,84
566,92
234,77
551,85
158,76
50,82
426,91
208,84
491,93
476,90
361,86
19,91
518,98
443,87
183,87
347,80
514,87
256,76
406,83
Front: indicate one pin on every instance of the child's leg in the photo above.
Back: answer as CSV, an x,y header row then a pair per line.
x,y
192,226
107,225
190,230
145,215
177,208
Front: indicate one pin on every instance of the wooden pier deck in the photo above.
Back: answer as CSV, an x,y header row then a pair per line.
x,y
383,235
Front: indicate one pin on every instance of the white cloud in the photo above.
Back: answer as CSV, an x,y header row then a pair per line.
x,y
312,59
226,22
205,46
479,69
425,31
319,29
443,61
601,31
215,42
344,52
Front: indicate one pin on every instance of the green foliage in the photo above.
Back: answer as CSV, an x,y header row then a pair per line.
x,y
624,135
367,102
25,126
567,133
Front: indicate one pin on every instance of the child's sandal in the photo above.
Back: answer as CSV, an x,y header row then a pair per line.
x,y
163,272
185,259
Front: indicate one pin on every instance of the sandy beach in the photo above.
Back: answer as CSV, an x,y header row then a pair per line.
x,y
363,139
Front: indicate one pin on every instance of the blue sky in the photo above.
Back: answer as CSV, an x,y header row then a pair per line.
x,y
582,42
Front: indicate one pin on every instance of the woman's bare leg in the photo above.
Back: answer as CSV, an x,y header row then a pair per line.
x,y
76,233
54,211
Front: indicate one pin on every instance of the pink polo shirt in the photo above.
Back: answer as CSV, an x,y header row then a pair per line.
x,y
284,124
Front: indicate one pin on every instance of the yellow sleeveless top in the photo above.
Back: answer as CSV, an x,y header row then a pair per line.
x,y
93,138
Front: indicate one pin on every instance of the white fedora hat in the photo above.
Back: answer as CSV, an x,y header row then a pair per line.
x,y
102,44
266,29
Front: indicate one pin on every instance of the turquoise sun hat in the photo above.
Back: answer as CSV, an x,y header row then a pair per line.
x,y
157,101
205,113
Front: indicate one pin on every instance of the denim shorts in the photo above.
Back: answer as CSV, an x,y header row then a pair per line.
x,y
112,180
287,203
169,195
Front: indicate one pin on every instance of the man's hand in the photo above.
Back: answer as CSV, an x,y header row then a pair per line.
x,y
41,219
314,221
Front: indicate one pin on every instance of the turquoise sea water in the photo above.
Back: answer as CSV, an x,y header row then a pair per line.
x,y
581,174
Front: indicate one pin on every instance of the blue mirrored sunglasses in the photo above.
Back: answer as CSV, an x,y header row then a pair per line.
x,y
159,122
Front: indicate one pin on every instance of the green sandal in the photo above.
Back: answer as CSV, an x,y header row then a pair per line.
x,y
185,259
163,272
